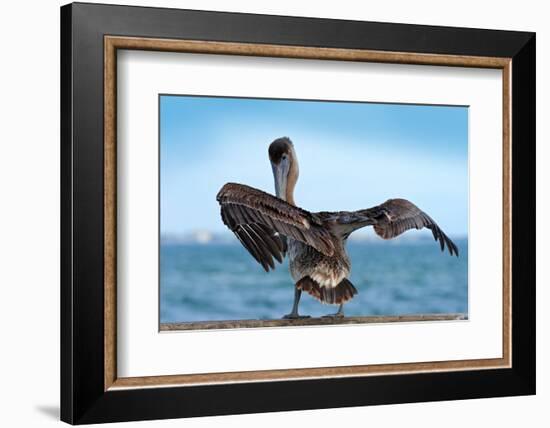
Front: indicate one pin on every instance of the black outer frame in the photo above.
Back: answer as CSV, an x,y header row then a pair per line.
x,y
83,399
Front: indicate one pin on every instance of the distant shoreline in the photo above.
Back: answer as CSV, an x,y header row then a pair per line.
x,y
360,240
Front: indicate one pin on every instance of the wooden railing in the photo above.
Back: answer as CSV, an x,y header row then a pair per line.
x,y
216,325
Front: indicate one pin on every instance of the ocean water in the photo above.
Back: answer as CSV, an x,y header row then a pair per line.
x,y
207,282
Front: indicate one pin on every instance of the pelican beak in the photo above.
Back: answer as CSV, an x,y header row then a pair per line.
x,y
280,174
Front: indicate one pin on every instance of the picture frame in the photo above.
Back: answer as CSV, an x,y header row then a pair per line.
x,y
91,390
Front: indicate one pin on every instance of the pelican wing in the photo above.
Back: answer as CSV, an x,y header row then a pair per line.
x,y
390,219
262,222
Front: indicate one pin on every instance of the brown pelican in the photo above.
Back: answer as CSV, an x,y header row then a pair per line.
x,y
269,227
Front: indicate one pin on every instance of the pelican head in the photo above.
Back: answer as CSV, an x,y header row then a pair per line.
x,y
285,168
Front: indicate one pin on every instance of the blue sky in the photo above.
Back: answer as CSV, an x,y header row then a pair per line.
x,y
351,156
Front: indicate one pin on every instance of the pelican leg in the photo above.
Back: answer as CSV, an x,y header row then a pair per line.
x,y
339,314
294,314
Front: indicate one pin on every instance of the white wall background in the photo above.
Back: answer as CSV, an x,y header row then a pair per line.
x,y
29,214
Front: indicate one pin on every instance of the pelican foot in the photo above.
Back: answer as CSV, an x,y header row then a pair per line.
x,y
292,316
336,315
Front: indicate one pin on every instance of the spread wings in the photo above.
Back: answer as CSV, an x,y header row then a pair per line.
x,y
390,219
262,221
